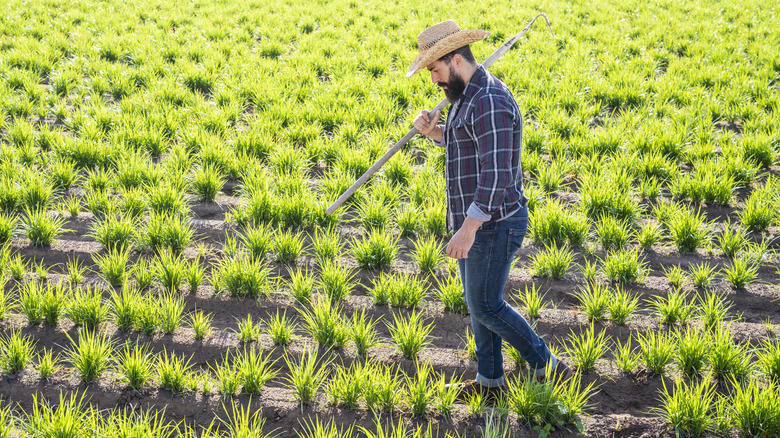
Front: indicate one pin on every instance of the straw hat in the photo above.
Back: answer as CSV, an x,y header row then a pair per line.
x,y
439,40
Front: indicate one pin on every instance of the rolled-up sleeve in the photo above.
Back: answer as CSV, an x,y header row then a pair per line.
x,y
493,127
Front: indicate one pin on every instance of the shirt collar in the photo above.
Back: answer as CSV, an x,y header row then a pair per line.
x,y
474,83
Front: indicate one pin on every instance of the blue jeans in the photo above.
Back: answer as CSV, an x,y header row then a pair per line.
x,y
484,274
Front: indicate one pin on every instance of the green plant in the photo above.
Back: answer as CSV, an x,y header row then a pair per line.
x,y
327,244
373,213
143,272
713,310
741,272
241,276
253,370
75,271
135,364
86,307
288,246
248,331
427,254
446,394
625,357
306,375
114,233
612,233
7,228
324,323
227,376
420,389
533,302
335,281
688,230
688,408
410,335
363,332
16,352
171,308
514,356
169,269
172,371
755,410
624,266
594,299
207,181
31,296
47,363
346,384
587,347
657,350
376,250
301,285
201,324
91,355
675,275
405,290
123,307
17,267
732,240
691,354
408,221
147,315
40,227
113,266
450,292
280,329
385,389
648,235
674,308
53,302
258,240
701,275
553,261
727,359
165,230
194,275
760,210
622,305
769,360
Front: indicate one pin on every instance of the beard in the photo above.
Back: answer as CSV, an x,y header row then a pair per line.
x,y
455,86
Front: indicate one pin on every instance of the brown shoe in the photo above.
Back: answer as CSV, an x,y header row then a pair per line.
x,y
560,373
468,388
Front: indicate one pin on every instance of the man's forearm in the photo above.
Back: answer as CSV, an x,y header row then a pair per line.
x,y
437,134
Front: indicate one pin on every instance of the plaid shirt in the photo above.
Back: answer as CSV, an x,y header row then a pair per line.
x,y
483,135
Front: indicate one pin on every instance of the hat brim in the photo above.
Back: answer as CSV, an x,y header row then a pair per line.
x,y
445,46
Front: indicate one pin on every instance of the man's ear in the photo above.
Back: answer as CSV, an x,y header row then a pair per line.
x,y
457,60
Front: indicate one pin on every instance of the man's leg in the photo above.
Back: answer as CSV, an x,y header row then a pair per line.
x,y
485,273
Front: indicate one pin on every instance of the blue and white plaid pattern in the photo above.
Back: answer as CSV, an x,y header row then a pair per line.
x,y
483,137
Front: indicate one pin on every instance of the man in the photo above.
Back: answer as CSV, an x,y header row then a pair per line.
x,y
486,208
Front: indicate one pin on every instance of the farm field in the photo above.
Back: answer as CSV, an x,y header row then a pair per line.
x,y
168,267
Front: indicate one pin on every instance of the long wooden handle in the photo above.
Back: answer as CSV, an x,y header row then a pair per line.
x,y
405,139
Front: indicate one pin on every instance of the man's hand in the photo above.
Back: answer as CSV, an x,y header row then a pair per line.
x,y
463,239
426,124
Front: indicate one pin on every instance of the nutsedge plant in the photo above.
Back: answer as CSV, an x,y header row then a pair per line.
x,y
201,324
363,332
594,299
587,347
673,309
306,376
622,305
427,254
376,250
325,324
532,301
410,334
687,408
16,352
91,355
552,261
135,364
450,293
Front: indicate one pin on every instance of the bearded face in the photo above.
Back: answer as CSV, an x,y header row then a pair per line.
x,y
454,86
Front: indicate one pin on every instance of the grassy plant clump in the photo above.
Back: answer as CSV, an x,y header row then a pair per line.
x,y
75,271
624,266
47,363
16,352
687,408
241,276
701,275
346,384
741,272
8,225
613,234
301,285
691,354
327,245
673,309
420,388
594,299
769,360
552,224
549,404
374,214
306,376
135,364
405,290
675,275
760,210
113,266
713,310
363,332
172,371
169,269
427,255
325,324
732,240
450,293
688,230
86,308
727,359
657,350
248,331
91,356
587,348
41,227
552,262
258,240
165,230
755,410
625,357
279,328
377,250
207,181
171,309
288,246
335,281
532,301
123,307
408,221
622,305
410,334
201,324
649,234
